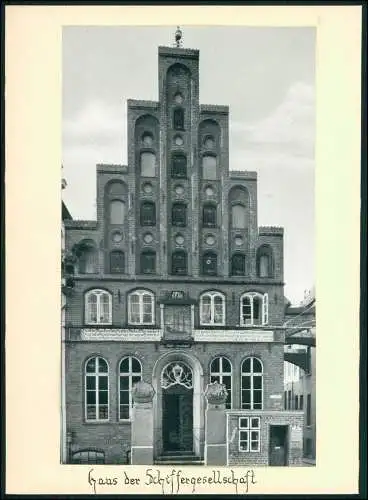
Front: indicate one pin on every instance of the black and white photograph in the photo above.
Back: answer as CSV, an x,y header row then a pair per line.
x,y
188,313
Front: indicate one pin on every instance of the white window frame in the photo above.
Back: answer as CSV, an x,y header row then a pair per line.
x,y
129,375
141,294
99,294
247,429
263,311
96,374
251,374
212,296
220,374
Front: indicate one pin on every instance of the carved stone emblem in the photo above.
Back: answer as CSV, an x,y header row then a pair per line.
x,y
216,393
142,392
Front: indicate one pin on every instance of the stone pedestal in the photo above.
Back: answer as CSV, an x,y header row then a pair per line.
x,y
215,425
142,424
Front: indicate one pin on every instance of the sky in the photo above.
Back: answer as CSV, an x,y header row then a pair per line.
x,y
265,75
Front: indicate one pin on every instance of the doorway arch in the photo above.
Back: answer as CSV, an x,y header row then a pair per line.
x,y
190,380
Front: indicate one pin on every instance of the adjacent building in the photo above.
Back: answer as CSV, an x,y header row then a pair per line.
x,y
175,284
300,368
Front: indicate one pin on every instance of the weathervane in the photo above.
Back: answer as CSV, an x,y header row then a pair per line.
x,y
178,37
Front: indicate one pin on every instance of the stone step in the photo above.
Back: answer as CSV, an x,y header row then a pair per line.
x,y
177,461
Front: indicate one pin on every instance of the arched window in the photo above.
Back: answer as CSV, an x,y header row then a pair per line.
x,y
98,306
96,389
178,119
117,212
148,213
238,216
179,214
141,308
238,264
209,215
148,262
130,372
148,164
179,166
117,264
212,308
209,167
179,262
253,309
209,263
251,384
220,371
88,456
87,261
264,262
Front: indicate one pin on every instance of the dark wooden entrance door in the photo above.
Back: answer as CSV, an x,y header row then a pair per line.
x,y
177,418
278,454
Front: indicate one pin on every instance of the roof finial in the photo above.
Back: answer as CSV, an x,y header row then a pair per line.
x,y
178,37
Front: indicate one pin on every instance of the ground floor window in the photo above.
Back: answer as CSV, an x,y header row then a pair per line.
x,y
88,457
249,434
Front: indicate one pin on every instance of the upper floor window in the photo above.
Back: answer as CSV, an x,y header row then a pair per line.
x,y
117,212
209,167
209,263
264,262
238,264
87,262
238,216
254,309
148,213
98,307
117,264
130,372
141,308
179,214
251,384
179,262
148,262
148,164
220,372
178,119
96,389
209,215
212,308
179,166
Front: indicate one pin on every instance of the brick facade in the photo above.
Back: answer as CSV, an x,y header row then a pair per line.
x,y
176,128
